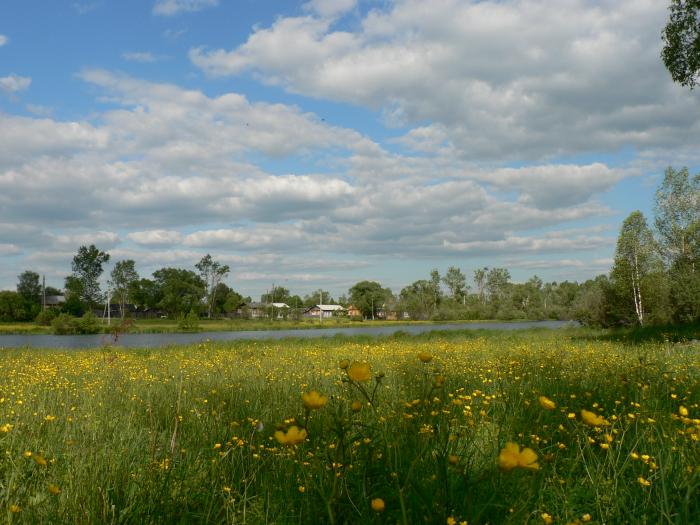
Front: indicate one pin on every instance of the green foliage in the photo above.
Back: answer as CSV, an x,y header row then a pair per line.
x,y
64,324
29,287
13,307
681,36
87,268
122,280
369,297
46,316
180,290
189,322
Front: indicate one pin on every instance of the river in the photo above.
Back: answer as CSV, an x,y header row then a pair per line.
x,y
161,340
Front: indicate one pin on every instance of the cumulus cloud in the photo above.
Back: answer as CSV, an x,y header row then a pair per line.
x,y
515,79
174,7
3,40
164,175
329,8
14,84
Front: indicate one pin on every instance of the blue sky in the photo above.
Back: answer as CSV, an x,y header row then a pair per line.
x,y
322,142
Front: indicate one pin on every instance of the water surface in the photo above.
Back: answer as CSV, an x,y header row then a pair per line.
x,y
160,340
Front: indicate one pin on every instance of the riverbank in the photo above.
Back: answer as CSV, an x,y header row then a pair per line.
x,y
170,326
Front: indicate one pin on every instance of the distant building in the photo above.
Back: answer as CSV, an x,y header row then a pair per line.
x,y
324,311
54,301
354,311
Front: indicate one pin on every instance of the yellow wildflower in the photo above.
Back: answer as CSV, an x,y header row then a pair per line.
x,y
511,457
360,371
53,489
451,521
425,357
5,428
15,508
293,436
302,488
643,482
593,419
547,403
40,460
586,517
682,411
356,406
547,518
313,400
378,505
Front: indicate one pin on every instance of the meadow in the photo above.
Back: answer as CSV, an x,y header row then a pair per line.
x,y
563,426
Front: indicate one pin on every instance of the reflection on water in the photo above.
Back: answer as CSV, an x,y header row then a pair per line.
x,y
159,340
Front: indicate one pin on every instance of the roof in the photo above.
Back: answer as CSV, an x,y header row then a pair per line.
x,y
280,305
55,299
329,307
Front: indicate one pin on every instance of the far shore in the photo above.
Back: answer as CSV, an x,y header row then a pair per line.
x,y
169,326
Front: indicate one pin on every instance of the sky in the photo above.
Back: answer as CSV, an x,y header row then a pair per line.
x,y
317,143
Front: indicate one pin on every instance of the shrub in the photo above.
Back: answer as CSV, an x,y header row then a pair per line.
x,y
188,323
89,324
64,324
46,316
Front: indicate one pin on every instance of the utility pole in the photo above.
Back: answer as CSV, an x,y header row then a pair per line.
x,y
320,310
109,308
43,292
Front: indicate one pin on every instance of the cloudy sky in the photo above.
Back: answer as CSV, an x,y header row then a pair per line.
x,y
316,143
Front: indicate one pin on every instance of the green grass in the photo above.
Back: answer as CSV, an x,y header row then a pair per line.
x,y
187,434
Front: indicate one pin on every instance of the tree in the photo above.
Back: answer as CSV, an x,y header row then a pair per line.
x,y
456,281
635,260
681,37
145,293
13,307
417,299
318,297
181,291
212,273
278,294
368,297
87,268
677,212
123,277
480,281
497,281
29,287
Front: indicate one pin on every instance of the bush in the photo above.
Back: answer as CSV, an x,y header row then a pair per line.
x,y
46,316
64,324
89,324
189,323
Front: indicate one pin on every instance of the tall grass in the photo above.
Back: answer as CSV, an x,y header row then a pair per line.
x,y
187,434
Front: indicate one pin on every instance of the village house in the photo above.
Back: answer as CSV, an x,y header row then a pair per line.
x,y
324,311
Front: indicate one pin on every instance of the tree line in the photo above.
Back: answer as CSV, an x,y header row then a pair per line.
x,y
655,279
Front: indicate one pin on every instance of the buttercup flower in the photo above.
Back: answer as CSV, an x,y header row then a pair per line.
x,y
359,371
313,400
293,436
378,505
425,357
593,419
511,457
547,403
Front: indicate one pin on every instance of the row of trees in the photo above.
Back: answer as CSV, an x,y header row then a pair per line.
x,y
655,280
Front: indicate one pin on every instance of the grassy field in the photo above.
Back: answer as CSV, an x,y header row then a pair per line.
x,y
532,427
156,326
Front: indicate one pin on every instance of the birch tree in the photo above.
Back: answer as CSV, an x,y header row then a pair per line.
x,y
635,259
122,280
212,273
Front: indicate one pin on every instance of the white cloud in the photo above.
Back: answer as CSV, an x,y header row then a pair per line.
x,y
329,8
3,40
156,237
174,7
14,84
140,56
496,80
